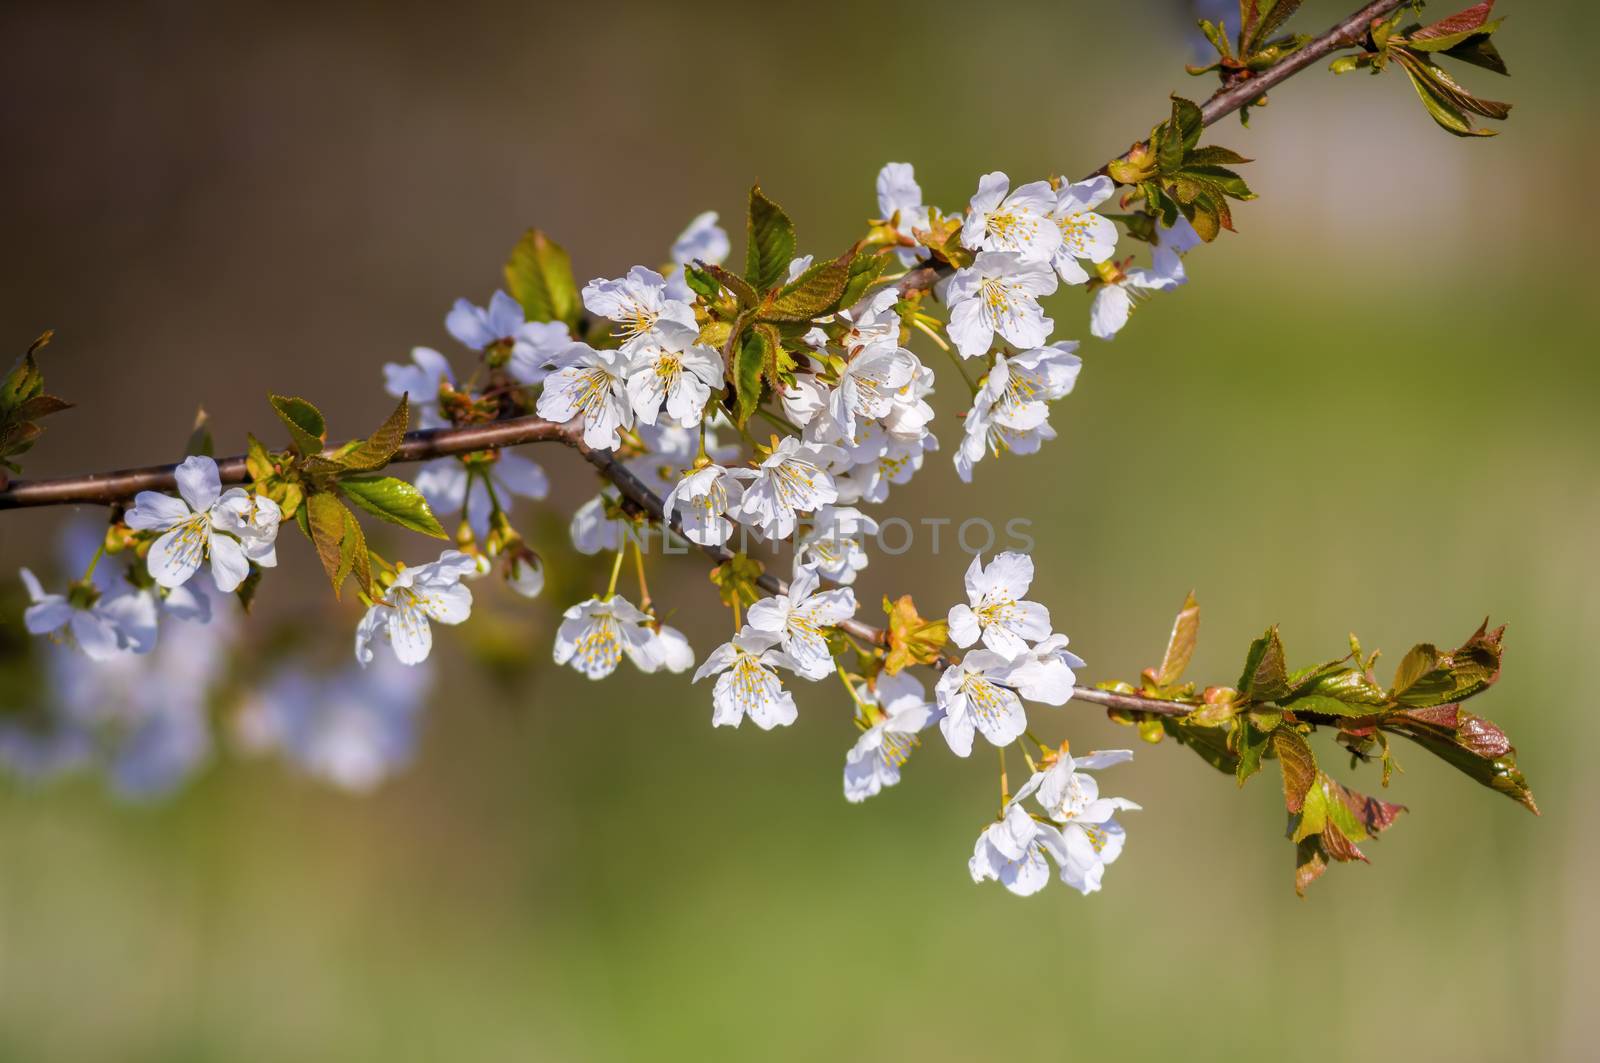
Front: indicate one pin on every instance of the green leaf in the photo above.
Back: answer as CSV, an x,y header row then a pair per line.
x,y
1443,104
306,426
815,292
375,451
1214,155
23,402
770,242
701,282
1220,178
1426,676
1350,686
1323,705
746,295
1265,676
539,276
257,461
865,269
1252,742
353,556
395,500
325,516
1260,19
755,348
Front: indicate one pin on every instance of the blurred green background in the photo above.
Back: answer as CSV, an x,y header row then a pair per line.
x,y
1372,409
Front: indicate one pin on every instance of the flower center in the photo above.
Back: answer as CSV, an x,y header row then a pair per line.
x,y
601,643
897,746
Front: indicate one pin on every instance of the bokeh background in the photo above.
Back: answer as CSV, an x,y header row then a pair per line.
x,y
1373,409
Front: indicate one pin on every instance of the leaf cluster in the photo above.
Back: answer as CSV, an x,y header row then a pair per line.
x,y
23,403
1175,175
1272,710
313,485
1257,46
757,319
1466,36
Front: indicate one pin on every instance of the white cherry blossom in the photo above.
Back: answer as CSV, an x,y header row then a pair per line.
x,y
879,460
1171,245
1020,221
988,430
525,574
1051,674
671,650
702,500
1119,291
419,594
791,479
1091,837
803,400
872,322
1016,852
669,368
902,711
537,349
480,327
996,611
703,241
102,625
230,529
999,293
835,545
595,634
637,303
870,383
1011,410
979,694
900,204
800,617
748,684
910,413
1085,235
591,385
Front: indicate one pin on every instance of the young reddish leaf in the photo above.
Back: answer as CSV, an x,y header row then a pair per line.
x,y
1298,763
1180,644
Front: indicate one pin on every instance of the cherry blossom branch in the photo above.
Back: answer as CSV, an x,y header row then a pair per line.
x,y
1244,88
112,487
115,487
